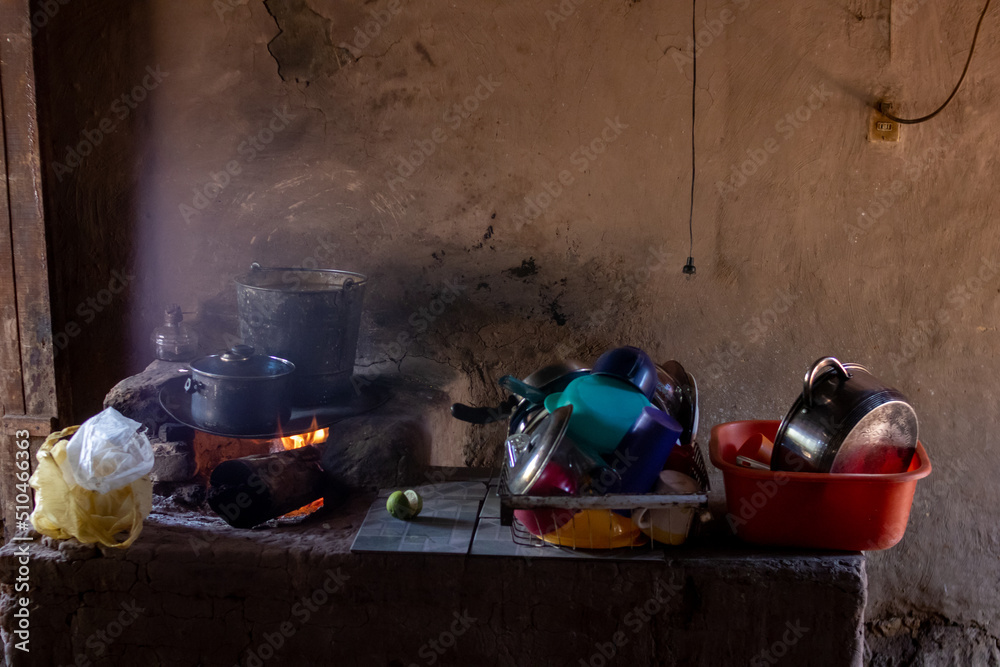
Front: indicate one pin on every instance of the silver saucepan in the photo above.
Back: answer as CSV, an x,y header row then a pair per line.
x,y
846,421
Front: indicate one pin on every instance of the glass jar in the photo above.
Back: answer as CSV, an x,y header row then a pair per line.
x,y
174,340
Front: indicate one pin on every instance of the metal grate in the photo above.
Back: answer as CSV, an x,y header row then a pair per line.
x,y
579,532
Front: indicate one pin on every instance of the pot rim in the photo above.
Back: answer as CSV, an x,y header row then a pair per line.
x,y
360,279
525,475
286,368
800,399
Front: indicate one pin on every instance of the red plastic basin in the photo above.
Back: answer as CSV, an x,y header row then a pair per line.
x,y
852,512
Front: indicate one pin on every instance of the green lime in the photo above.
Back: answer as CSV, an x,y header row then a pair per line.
x,y
404,504
416,502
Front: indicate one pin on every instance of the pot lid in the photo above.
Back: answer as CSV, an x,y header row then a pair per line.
x,y
241,362
885,435
545,440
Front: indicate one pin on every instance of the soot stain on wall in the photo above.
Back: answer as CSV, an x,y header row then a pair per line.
x,y
527,269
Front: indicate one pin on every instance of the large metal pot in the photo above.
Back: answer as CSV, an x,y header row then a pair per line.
x,y
311,317
239,393
846,421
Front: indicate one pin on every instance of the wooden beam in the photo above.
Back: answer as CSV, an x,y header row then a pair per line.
x,y
11,389
26,355
27,216
35,426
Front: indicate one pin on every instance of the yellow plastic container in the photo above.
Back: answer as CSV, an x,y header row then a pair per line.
x,y
597,529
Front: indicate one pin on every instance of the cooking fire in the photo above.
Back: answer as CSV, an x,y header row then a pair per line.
x,y
290,442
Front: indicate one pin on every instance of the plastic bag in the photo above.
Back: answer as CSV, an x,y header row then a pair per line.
x,y
108,452
64,509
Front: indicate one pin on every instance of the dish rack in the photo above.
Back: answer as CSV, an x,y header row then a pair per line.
x,y
603,522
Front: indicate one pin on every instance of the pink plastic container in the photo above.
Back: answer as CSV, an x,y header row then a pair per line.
x,y
851,512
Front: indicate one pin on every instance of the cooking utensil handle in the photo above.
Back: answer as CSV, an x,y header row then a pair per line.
x,y
816,370
192,386
349,283
471,415
257,267
754,464
467,413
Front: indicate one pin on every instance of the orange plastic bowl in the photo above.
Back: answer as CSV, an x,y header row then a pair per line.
x,y
851,512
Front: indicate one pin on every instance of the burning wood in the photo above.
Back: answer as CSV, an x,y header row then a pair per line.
x,y
254,489
314,437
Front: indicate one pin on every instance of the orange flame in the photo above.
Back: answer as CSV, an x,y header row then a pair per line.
x,y
315,436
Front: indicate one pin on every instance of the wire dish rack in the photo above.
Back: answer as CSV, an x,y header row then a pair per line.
x,y
613,521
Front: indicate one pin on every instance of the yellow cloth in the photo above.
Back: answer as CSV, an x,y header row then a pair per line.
x,y
66,510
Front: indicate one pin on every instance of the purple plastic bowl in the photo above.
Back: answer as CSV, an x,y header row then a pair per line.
x,y
629,364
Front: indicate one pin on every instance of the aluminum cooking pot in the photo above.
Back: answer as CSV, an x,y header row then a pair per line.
x,y
846,421
239,392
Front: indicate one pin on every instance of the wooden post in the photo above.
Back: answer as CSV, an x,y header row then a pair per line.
x,y
27,360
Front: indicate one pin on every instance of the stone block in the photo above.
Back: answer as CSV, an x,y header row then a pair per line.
x,y
173,462
137,397
173,431
371,453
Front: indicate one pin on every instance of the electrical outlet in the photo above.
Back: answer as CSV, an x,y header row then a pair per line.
x,y
881,128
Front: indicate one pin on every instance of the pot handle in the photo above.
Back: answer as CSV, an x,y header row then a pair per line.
x,y
816,370
238,353
255,266
483,415
192,386
349,283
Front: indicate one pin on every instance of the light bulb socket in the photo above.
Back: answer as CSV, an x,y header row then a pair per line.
x,y
689,267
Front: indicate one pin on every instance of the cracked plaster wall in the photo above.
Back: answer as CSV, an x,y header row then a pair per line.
x,y
788,269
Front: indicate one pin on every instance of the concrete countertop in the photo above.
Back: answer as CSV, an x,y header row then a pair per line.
x,y
212,594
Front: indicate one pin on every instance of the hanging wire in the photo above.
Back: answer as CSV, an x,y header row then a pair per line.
x,y
883,107
689,267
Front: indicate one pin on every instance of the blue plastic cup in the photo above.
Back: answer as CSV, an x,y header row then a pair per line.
x,y
644,450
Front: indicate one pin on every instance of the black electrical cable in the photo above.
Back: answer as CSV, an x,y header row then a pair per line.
x,y
972,49
689,267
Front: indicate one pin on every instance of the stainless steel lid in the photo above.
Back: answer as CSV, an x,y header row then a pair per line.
x,y
890,427
241,362
545,440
